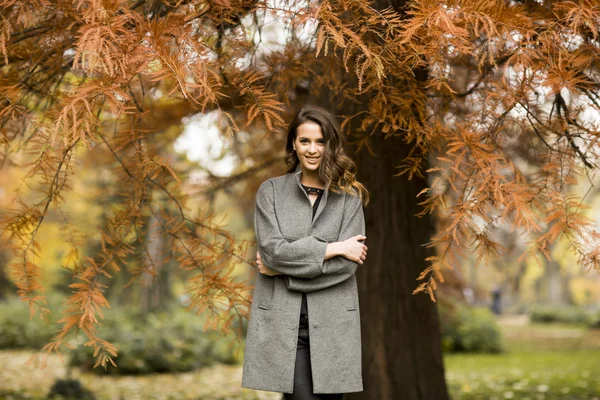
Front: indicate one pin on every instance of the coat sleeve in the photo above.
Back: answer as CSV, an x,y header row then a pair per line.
x,y
302,258
336,269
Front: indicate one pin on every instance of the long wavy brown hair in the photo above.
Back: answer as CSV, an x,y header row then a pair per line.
x,y
337,169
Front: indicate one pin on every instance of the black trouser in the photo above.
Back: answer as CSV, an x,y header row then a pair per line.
x,y
303,386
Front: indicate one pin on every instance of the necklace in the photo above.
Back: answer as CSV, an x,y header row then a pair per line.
x,y
310,189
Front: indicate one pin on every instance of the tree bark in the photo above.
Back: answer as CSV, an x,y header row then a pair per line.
x,y
402,355
5,284
154,261
556,284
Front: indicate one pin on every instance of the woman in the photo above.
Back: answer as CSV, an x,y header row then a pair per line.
x,y
304,330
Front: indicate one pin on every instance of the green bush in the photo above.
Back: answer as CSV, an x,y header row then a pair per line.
x,y
69,389
18,330
552,313
468,329
173,341
593,320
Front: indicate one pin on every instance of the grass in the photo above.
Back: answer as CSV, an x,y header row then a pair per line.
x,y
554,362
525,375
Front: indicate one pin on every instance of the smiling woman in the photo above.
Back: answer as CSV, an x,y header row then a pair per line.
x,y
310,231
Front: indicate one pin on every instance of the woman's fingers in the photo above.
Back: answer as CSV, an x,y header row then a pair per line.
x,y
354,249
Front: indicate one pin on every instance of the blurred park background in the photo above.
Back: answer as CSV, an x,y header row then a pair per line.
x,y
510,329
134,137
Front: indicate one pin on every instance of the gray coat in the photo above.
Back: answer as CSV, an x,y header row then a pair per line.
x,y
291,242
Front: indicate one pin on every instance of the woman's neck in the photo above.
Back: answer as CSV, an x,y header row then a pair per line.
x,y
311,179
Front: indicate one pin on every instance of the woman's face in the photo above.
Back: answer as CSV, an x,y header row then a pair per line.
x,y
309,145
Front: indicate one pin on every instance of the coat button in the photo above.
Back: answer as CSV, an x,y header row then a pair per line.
x,y
315,225
314,325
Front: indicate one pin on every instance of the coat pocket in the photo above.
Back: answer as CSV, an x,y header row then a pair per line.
x,y
263,291
353,301
349,290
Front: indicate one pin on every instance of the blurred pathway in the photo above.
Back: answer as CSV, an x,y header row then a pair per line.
x,y
220,382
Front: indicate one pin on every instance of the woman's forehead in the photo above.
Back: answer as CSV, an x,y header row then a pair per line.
x,y
310,130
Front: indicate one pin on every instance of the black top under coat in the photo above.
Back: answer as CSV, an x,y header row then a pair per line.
x,y
319,192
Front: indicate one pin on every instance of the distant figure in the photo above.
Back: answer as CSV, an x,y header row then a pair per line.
x,y
303,335
497,300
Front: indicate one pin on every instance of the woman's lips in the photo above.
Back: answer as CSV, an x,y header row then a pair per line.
x,y
312,160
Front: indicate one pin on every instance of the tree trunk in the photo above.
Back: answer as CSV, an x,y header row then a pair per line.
x,y
516,283
402,355
557,285
154,262
5,284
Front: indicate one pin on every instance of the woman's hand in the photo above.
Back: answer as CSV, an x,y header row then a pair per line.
x,y
355,250
263,268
